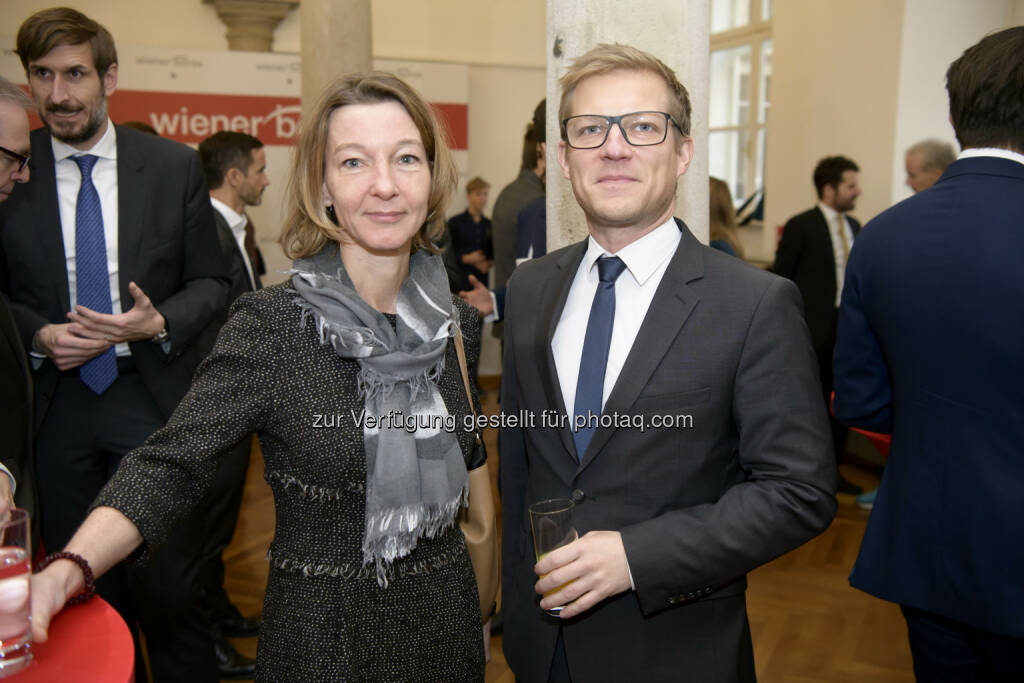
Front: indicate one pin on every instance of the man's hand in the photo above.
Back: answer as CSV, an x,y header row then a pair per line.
x,y
479,297
66,346
588,570
6,497
142,321
474,257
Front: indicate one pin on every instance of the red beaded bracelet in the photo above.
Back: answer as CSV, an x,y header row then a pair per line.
x,y
83,564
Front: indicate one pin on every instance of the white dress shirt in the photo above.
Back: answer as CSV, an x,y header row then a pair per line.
x,y
646,260
237,222
104,178
837,222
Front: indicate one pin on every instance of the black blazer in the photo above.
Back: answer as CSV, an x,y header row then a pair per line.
x,y
166,245
231,255
16,410
697,506
805,256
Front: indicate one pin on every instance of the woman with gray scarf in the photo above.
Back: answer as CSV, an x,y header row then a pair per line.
x,y
349,375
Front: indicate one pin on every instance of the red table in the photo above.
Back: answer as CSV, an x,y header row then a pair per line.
x,y
89,643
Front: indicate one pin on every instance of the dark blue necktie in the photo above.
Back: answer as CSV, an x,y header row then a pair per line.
x,y
92,279
590,385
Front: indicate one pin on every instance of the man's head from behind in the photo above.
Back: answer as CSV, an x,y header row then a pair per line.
x,y
235,166
835,179
986,92
14,141
926,161
71,64
625,122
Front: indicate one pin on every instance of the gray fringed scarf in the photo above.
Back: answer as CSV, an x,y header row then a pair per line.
x,y
415,479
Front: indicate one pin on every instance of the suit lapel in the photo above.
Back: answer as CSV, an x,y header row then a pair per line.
x,y
132,192
46,209
559,281
673,302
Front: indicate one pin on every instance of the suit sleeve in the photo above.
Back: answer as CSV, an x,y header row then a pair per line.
x,y
204,278
787,255
862,385
784,449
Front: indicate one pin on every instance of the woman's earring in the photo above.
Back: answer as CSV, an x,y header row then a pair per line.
x,y
333,217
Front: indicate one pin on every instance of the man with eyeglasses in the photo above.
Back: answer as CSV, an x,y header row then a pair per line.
x,y
110,261
676,404
16,488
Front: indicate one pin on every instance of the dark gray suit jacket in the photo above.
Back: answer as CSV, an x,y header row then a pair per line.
x,y
166,245
16,411
697,507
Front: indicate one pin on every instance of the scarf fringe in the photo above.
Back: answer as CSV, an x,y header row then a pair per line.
x,y
396,532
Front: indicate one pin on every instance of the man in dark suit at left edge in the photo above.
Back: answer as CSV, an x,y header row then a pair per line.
x,y
16,488
111,264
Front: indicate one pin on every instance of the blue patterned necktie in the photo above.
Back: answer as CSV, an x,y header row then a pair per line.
x,y
92,279
590,385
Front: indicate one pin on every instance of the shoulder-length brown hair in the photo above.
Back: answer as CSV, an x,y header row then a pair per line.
x,y
308,229
723,215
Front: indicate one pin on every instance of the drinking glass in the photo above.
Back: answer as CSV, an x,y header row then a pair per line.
x,y
15,570
552,525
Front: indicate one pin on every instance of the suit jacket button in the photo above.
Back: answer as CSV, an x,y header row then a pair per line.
x,y
577,496
707,591
692,595
673,600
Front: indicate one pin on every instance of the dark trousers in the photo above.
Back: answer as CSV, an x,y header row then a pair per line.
x,y
824,354
78,447
559,672
223,505
949,651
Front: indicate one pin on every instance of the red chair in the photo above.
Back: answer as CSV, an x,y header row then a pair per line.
x,y
882,442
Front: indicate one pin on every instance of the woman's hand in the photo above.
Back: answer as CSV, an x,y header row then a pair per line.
x,y
48,598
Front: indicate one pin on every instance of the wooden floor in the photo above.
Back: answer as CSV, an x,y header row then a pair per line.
x,y
808,624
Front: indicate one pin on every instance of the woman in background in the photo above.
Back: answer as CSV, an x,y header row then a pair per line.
x,y
723,234
370,579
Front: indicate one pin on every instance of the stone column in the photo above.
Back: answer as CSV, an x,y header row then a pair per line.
x,y
336,39
251,23
677,33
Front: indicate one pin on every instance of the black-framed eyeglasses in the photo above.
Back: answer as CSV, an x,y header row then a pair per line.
x,y
639,128
20,159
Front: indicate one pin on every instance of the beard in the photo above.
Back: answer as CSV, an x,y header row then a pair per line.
x,y
71,134
846,205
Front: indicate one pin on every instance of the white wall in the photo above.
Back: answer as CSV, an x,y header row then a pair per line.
x,y
834,91
152,23
935,32
866,80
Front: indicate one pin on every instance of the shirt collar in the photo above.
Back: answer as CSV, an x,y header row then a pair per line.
x,y
831,215
236,221
105,147
992,152
645,255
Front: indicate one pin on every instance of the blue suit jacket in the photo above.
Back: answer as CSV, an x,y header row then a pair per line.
x,y
931,347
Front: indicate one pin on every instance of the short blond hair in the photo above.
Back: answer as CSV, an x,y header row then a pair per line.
x,y
477,183
606,58
308,228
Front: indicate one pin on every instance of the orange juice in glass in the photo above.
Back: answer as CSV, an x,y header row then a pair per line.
x,y
551,521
